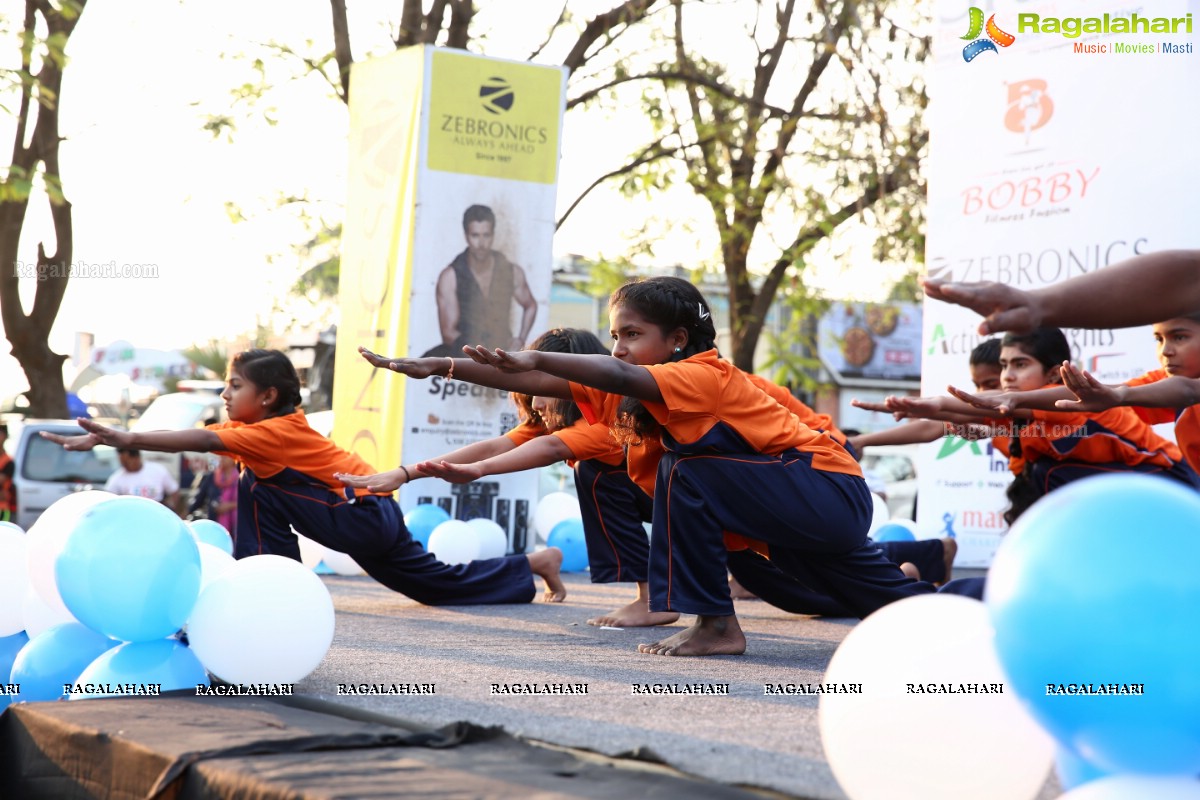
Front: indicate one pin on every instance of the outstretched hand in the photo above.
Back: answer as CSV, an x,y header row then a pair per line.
x,y
1000,403
1091,394
883,408
520,361
96,434
412,367
452,473
380,483
1003,307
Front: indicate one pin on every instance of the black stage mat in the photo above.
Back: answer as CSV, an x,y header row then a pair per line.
x,y
185,748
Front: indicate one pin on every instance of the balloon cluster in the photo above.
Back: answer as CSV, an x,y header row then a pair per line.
x,y
98,591
558,521
453,541
1089,627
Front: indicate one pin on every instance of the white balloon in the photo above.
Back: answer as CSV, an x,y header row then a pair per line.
x,y
48,536
1137,787
553,509
454,542
14,580
341,563
493,541
39,615
311,553
880,513
267,619
5,525
213,563
984,746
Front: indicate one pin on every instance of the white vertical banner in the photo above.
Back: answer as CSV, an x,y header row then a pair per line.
x,y
1063,140
469,253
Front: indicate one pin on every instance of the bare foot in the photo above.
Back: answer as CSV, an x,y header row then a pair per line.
x,y
708,636
949,551
546,564
910,570
635,615
739,592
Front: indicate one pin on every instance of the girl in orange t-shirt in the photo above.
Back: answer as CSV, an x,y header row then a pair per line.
x,y
288,482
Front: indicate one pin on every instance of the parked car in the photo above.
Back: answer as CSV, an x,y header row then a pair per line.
x,y
896,465
45,472
178,411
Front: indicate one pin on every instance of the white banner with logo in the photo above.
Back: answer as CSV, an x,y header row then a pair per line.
x,y
1063,140
450,220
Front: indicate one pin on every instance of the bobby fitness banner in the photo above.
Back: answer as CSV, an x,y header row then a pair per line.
x,y
447,241
1061,135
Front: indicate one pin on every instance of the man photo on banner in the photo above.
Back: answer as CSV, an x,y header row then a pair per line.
x,y
476,291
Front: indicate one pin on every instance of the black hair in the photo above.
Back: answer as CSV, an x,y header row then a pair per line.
x,y
670,304
478,213
561,413
270,369
1048,346
987,353
130,451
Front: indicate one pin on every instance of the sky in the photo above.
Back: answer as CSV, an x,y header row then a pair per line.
x,y
150,188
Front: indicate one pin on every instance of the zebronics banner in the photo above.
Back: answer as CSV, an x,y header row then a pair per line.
x,y
1062,141
447,241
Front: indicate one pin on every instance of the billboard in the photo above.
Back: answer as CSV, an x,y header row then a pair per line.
x,y
1034,179
447,241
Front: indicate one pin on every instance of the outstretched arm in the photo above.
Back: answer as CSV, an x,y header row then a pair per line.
x,y
393,479
1150,288
1174,392
539,452
466,369
601,372
916,432
1007,402
199,440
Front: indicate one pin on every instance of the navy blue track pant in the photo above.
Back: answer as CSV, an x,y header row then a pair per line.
x,y
815,523
760,576
370,530
613,509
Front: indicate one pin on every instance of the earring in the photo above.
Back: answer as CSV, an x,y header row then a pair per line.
x,y
678,349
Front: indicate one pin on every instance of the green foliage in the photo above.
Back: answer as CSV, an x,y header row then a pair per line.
x,y
211,356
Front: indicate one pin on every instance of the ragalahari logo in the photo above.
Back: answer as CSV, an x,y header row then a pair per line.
x,y
995,36
497,95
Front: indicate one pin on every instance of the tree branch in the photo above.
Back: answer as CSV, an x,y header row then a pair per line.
x,y
654,152
461,14
433,22
602,25
411,24
341,47
562,15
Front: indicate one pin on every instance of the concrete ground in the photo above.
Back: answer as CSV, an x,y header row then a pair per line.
x,y
743,739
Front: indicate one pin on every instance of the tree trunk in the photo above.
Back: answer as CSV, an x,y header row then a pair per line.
x,y
29,333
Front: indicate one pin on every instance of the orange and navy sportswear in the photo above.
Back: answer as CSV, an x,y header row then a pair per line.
x,y
736,460
1187,420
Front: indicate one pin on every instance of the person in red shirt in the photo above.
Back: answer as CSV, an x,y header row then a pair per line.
x,y
288,482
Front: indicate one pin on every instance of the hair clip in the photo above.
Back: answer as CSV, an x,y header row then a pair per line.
x,y
703,313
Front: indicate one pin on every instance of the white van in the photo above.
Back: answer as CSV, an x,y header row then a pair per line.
x,y
44,471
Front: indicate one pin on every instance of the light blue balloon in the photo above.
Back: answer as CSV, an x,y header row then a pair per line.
x,y
212,532
323,569
568,537
55,657
167,663
130,570
891,532
1073,770
9,647
422,520
1096,585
